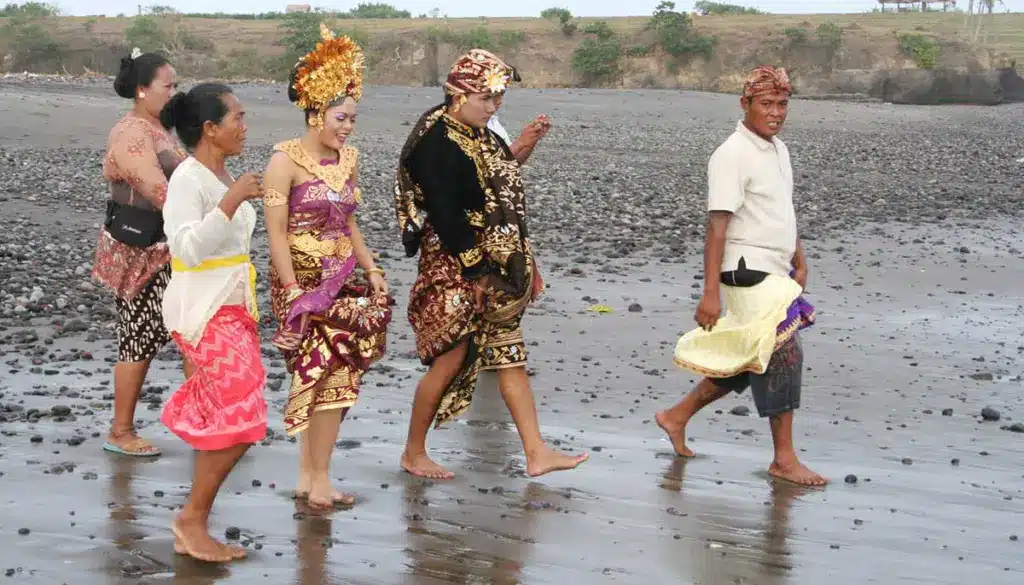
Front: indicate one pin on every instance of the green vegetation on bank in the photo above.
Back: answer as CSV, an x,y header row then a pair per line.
x,y
27,31
667,48
677,35
705,8
924,50
29,10
564,18
596,59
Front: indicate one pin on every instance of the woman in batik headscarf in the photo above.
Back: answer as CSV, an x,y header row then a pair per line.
x,y
131,254
331,321
210,307
477,273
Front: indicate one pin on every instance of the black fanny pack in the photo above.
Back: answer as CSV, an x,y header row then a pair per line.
x,y
133,226
743,277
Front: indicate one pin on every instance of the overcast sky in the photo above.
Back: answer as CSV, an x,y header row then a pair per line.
x,y
457,8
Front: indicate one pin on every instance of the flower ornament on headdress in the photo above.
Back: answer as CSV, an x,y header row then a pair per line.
x,y
478,71
136,53
331,71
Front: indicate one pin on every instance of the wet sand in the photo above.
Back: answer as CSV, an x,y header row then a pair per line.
x,y
913,320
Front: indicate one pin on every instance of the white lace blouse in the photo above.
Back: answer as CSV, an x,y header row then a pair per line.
x,y
197,232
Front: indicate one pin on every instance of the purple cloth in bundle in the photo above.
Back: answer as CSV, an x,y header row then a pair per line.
x,y
800,311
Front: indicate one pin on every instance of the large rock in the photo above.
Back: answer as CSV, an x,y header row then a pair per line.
x,y
924,87
1012,84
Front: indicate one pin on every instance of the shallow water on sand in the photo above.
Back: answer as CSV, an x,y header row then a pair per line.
x,y
910,328
882,364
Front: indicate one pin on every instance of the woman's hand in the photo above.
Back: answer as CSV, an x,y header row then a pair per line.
x,y
292,292
248,186
377,283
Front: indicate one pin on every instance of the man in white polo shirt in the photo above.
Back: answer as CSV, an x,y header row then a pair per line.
x,y
523,146
754,259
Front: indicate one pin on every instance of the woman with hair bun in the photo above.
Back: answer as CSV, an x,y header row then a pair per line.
x,y
131,254
332,324
210,306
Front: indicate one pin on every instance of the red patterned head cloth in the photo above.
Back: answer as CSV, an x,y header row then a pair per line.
x,y
766,79
478,71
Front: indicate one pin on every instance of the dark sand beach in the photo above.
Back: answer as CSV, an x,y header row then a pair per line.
x,y
910,218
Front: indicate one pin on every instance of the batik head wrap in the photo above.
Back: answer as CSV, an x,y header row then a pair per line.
x,y
478,71
764,80
331,71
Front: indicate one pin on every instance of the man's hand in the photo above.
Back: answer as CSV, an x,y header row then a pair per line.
x,y
708,311
479,293
535,131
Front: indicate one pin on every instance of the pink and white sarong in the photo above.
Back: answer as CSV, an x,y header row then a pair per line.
x,y
221,405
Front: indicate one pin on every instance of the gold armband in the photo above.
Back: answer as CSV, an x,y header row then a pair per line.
x,y
274,198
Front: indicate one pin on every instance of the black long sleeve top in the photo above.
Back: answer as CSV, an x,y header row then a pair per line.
x,y
453,198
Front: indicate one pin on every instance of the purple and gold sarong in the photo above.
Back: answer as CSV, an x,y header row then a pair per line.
x,y
334,331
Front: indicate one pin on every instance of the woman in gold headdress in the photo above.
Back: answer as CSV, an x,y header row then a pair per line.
x,y
331,323
476,271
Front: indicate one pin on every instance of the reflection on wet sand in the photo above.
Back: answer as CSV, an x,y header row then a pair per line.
x,y
313,540
717,538
188,571
441,546
138,554
444,551
776,557
122,530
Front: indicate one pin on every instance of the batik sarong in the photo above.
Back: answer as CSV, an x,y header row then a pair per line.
x,y
755,345
221,405
758,320
441,304
337,328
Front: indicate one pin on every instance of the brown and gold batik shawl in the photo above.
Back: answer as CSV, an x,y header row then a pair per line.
x,y
440,303
505,236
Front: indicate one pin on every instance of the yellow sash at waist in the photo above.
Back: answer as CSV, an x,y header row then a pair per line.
x,y
224,262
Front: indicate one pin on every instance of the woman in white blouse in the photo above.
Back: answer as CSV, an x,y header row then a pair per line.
x,y
210,306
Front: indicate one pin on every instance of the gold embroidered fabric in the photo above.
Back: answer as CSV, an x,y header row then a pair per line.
x,y
274,198
334,176
471,257
310,245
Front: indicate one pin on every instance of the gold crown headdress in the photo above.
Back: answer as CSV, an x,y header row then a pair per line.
x,y
334,69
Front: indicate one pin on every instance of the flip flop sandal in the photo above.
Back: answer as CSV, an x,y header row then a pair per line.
x,y
133,448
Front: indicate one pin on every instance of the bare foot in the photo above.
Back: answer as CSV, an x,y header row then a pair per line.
x,y
548,460
235,551
193,540
424,466
304,485
323,496
796,472
676,434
